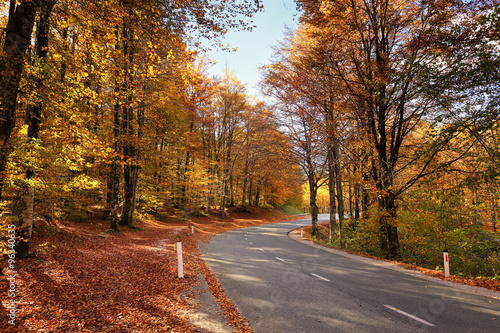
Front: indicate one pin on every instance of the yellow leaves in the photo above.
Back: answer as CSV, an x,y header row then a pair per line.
x,y
170,55
151,71
82,182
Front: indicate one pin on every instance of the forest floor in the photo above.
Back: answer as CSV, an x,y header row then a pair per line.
x,y
82,279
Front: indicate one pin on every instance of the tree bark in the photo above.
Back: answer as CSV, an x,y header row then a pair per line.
x,y
131,168
131,177
389,239
26,200
115,172
250,190
365,198
116,165
331,191
245,182
339,189
257,195
313,191
494,210
17,39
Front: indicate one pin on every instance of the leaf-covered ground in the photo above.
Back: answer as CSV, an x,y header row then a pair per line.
x,y
81,279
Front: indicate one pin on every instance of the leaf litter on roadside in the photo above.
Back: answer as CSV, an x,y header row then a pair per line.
x,y
76,280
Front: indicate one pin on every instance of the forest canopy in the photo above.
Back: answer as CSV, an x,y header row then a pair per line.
x,y
107,109
391,107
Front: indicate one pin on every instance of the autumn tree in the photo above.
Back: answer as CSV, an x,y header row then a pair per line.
x,y
266,163
385,65
301,116
12,59
24,204
99,60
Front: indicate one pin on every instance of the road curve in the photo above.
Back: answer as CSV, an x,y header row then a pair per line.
x,y
281,285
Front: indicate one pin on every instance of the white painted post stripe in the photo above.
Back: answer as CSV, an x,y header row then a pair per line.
x,y
320,277
409,315
180,270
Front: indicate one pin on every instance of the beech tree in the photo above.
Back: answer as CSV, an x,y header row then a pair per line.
x,y
287,81
15,43
24,206
384,63
228,108
142,39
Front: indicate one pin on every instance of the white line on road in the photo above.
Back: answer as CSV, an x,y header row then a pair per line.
x,y
409,315
280,259
320,277
250,243
261,250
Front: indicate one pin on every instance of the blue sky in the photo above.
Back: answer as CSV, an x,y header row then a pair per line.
x,y
255,47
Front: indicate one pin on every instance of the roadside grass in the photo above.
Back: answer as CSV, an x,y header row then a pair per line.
x,y
368,247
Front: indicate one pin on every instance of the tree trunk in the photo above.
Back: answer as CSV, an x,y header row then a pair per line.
x,y
389,239
244,190
26,200
331,191
231,190
339,189
17,39
357,193
365,197
494,210
351,200
223,199
184,187
131,169
116,165
115,172
476,201
131,176
130,151
313,191
257,195
23,220
250,189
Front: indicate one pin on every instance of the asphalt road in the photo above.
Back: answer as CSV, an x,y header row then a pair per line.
x,y
281,285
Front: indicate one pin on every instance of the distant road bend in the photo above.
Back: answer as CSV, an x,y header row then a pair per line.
x,y
281,285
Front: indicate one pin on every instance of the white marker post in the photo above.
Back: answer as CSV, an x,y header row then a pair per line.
x,y
446,264
180,273
192,229
301,232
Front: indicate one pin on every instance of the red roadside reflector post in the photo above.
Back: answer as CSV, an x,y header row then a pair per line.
x,y
446,263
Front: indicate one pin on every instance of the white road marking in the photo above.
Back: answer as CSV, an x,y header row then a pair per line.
x,y
320,277
261,250
409,315
280,259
